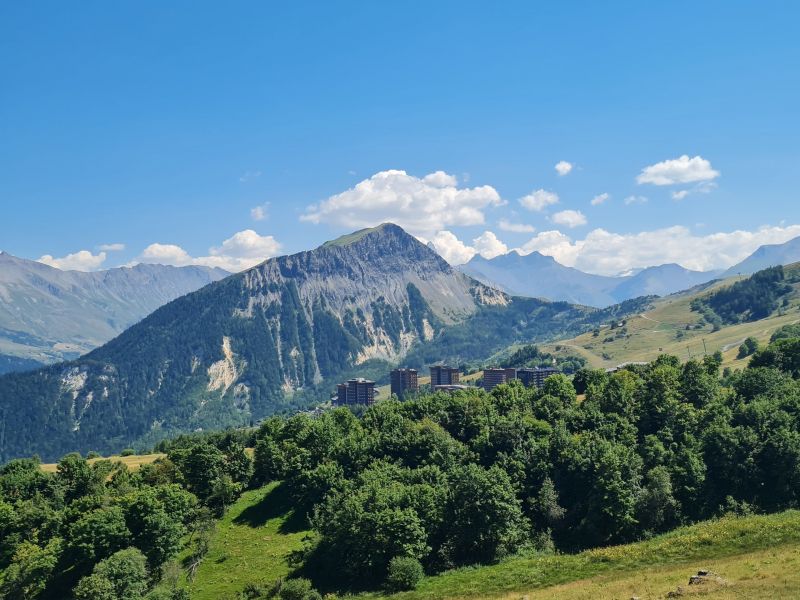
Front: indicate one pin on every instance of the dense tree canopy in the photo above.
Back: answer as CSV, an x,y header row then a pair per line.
x,y
432,483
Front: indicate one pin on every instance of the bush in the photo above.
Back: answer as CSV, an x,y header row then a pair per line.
x,y
404,573
298,589
127,452
92,454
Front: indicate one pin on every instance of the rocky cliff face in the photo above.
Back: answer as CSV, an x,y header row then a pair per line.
x,y
240,348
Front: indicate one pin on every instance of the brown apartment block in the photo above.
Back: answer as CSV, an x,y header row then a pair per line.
x,y
404,382
536,376
494,377
356,391
443,375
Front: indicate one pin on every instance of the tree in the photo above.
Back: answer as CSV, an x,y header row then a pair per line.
x,y
748,347
97,535
76,477
153,530
485,520
121,576
31,570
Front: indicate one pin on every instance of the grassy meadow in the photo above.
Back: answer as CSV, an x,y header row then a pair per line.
x,y
669,327
133,462
759,557
252,543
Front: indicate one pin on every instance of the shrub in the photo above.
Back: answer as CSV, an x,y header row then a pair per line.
x,y
404,573
92,454
298,589
127,452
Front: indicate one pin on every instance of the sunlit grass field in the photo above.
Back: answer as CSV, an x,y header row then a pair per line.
x,y
133,462
663,329
757,556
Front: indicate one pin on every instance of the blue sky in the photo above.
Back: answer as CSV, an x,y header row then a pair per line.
x,y
140,123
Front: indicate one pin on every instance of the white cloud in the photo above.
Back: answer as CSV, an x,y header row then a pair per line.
x,y
241,251
82,260
600,198
506,225
635,200
488,246
569,218
563,167
249,176
451,248
539,200
111,247
701,188
421,205
609,253
259,213
678,170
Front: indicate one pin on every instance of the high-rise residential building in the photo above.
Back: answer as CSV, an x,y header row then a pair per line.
x,y
535,376
444,375
356,391
494,377
404,382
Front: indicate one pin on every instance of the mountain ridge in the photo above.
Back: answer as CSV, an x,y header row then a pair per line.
x,y
48,315
538,275
767,255
274,338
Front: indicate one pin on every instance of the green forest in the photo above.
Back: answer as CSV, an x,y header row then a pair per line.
x,y
411,489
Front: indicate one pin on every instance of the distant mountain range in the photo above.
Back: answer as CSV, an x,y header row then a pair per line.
x,y
767,256
274,337
540,276
47,314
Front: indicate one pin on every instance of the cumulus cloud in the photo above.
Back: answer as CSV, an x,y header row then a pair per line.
x,y
451,248
420,205
569,218
608,253
111,247
635,200
600,198
506,225
241,251
259,213
456,252
488,246
678,170
563,167
83,260
539,200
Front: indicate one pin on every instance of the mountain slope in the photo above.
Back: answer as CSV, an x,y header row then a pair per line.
x,y
239,348
671,326
660,281
768,255
541,276
272,338
48,315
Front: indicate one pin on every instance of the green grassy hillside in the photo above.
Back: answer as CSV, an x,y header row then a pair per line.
x,y
670,326
251,543
758,556
732,547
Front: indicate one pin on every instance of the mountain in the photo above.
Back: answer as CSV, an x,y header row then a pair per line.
x,y
273,338
769,255
660,281
537,275
47,314
540,276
